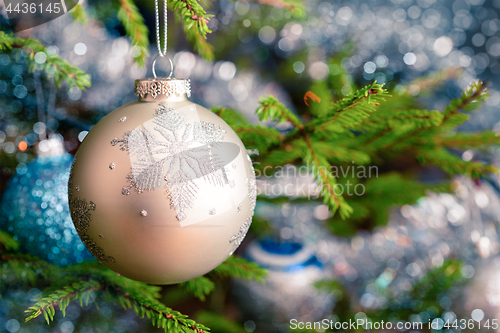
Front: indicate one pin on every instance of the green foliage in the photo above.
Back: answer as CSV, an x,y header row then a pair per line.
x,y
59,68
453,164
199,287
85,281
79,14
194,22
271,109
218,323
136,30
8,242
371,128
240,268
425,294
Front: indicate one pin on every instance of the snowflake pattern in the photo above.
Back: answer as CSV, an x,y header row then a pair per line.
x,y
171,156
236,240
81,216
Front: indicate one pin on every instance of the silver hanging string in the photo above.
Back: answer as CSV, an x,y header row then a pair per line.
x,y
158,44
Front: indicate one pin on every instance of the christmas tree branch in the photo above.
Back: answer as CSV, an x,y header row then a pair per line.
x,y
240,268
271,109
321,170
80,290
351,110
169,320
199,287
425,293
453,164
468,140
218,323
470,100
194,20
8,242
133,22
53,65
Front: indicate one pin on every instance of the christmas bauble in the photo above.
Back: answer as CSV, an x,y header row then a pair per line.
x,y
288,292
35,211
162,189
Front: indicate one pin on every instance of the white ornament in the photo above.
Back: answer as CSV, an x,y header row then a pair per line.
x,y
181,167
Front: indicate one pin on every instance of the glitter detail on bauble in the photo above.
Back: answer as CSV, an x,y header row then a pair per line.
x,y
35,210
179,164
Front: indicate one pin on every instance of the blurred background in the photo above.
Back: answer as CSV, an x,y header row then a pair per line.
x,y
263,50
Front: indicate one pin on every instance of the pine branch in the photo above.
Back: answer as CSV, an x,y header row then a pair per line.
x,y
240,268
161,316
199,287
468,140
321,170
271,109
426,293
351,110
452,164
398,118
79,14
80,290
8,242
428,82
258,137
24,268
133,22
231,117
470,100
194,20
59,68
218,323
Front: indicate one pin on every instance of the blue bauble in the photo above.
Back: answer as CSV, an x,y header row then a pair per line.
x,y
35,210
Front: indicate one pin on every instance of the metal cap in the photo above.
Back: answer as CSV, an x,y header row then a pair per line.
x,y
162,89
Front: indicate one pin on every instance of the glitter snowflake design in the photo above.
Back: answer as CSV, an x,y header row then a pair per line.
x,y
252,195
81,215
173,156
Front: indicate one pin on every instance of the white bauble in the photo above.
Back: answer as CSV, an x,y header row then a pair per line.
x,y
162,189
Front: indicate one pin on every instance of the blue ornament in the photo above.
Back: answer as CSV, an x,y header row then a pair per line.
x,y
35,210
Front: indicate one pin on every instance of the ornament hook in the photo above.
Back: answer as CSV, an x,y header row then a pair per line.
x,y
171,65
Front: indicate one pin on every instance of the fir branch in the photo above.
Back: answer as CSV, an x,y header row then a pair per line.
x,y
452,164
470,100
258,137
271,109
8,242
398,118
468,140
351,110
79,14
425,293
231,117
284,153
199,287
240,268
194,22
80,290
133,22
161,316
42,267
218,323
338,154
428,82
59,68
321,170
